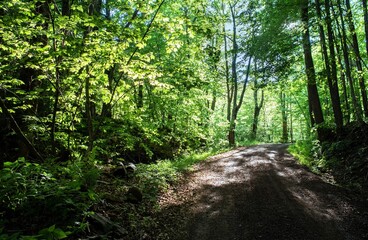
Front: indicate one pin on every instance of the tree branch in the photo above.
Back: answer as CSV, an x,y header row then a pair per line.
x,y
18,131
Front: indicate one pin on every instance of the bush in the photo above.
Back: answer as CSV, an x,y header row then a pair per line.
x,y
308,153
33,197
343,156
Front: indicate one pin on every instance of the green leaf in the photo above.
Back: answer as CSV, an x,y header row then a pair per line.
x,y
8,164
59,234
52,228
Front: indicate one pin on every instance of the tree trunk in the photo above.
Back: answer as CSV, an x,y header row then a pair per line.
x,y
365,23
88,109
214,100
344,89
357,58
231,136
354,98
140,96
229,86
233,104
333,84
313,96
342,77
257,106
58,59
54,111
257,111
284,138
291,125
108,9
330,63
107,107
65,7
93,9
234,78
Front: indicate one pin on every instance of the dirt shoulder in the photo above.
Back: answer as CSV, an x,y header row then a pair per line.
x,y
259,192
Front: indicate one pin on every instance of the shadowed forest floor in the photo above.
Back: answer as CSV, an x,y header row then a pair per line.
x,y
259,192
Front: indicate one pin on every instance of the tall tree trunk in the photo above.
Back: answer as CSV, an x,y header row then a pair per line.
x,y
342,74
107,107
257,111
94,9
354,98
358,62
333,83
233,85
330,63
313,96
140,96
65,7
234,78
229,85
214,100
257,106
365,23
88,109
56,103
344,86
65,11
283,106
54,111
291,124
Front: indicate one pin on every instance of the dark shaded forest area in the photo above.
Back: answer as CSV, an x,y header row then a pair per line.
x,y
110,101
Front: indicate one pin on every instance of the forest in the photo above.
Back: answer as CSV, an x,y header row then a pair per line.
x,y
110,100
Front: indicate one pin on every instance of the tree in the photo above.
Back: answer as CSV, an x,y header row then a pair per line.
x,y
283,106
315,109
358,62
330,63
257,105
233,85
365,10
344,42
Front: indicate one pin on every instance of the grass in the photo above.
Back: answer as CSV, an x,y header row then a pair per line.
x,y
152,179
304,152
185,163
339,159
155,177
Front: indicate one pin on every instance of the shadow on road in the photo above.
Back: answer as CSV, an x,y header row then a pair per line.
x,y
260,192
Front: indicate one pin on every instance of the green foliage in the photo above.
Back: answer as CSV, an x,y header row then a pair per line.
x,y
155,79
308,152
185,162
61,194
21,180
155,177
152,179
50,233
343,157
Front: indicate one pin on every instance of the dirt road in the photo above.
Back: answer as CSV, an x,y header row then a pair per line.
x,y
260,192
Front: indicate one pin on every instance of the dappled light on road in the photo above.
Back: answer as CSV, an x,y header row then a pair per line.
x,y
260,192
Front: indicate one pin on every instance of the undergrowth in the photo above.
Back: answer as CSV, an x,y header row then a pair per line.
x,y
48,201
138,219
155,177
308,153
343,158
59,200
